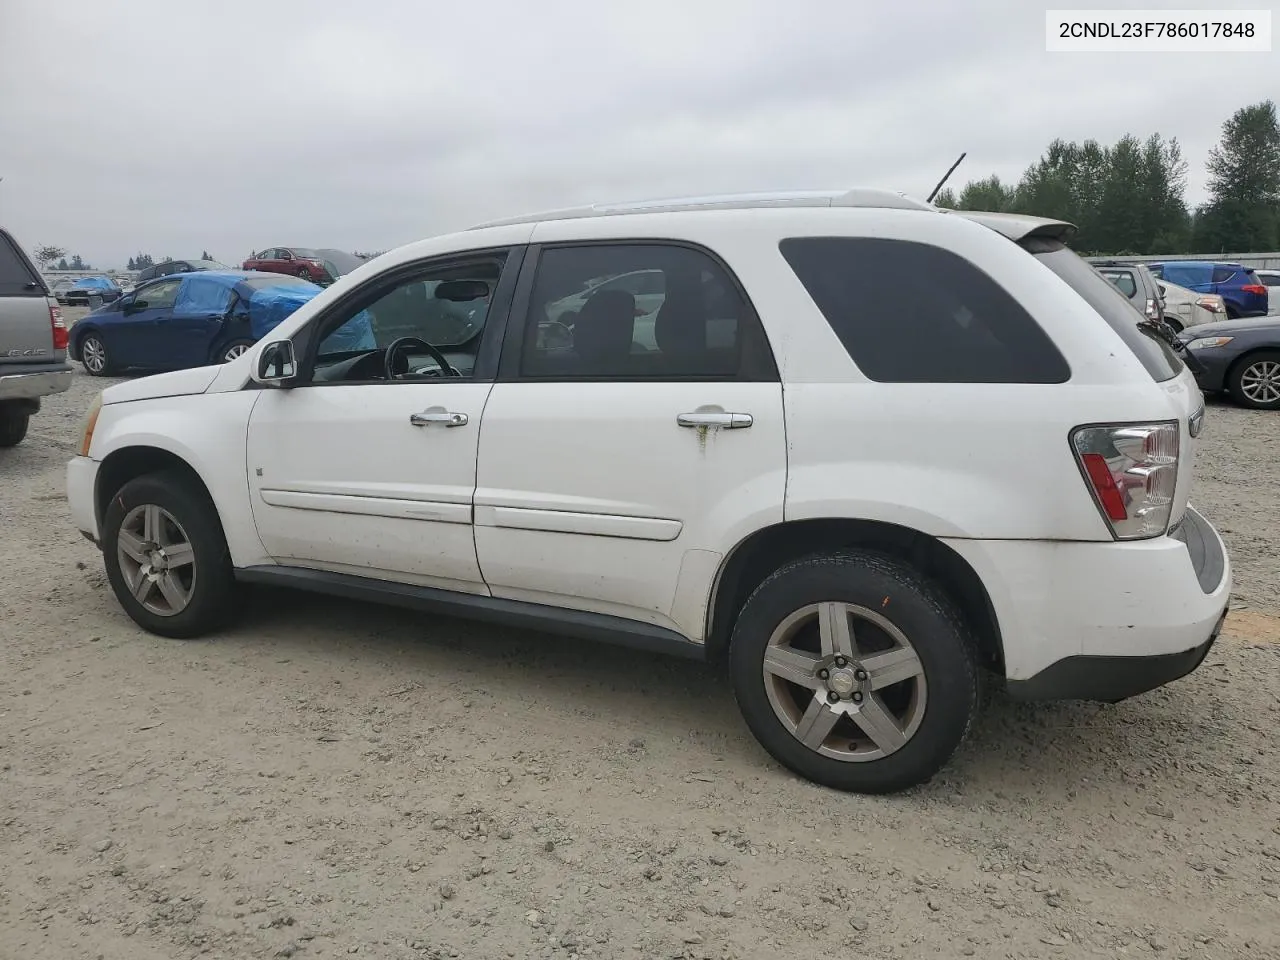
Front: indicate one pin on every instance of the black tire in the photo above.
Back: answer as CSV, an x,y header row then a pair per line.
x,y
912,605
222,354
106,369
213,583
13,427
1262,363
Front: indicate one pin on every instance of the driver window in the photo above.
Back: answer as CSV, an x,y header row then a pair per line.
x,y
445,307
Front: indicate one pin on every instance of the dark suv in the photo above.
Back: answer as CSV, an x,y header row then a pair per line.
x,y
1244,294
178,266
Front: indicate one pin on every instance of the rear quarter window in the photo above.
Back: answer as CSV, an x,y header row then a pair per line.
x,y
1223,274
16,274
910,312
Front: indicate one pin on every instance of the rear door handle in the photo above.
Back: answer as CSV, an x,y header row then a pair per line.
x,y
727,421
445,417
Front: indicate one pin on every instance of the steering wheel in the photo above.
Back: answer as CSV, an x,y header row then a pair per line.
x,y
396,346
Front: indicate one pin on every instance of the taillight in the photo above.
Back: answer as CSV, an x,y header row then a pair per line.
x,y
1132,469
1254,288
1153,310
58,327
1212,304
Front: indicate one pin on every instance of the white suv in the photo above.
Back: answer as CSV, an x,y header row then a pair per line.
x,y
871,451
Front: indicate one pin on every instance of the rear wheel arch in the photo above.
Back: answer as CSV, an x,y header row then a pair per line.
x,y
766,550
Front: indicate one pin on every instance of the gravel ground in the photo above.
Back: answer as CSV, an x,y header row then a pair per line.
x,y
331,779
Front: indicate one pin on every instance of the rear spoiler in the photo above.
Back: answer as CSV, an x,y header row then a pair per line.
x,y
1019,227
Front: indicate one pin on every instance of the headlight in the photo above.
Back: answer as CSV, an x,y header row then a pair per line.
x,y
87,426
1205,343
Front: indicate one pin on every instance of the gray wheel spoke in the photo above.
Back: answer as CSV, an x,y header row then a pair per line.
x,y
892,666
173,591
833,626
180,555
794,665
152,524
876,722
816,723
131,544
143,587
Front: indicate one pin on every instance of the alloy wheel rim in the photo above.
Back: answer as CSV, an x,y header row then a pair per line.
x,y
233,352
157,560
95,355
1260,381
845,682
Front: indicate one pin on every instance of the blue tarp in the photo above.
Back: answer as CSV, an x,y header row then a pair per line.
x,y
356,334
95,283
270,306
203,295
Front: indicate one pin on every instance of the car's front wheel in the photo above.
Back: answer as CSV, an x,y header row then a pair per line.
x,y
94,356
855,672
1255,381
166,555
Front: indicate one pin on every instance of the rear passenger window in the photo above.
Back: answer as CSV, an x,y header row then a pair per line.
x,y
15,276
639,311
909,312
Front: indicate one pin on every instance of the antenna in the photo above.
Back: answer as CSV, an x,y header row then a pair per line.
x,y
945,178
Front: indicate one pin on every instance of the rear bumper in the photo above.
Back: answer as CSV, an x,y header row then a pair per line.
x,y
31,386
1104,620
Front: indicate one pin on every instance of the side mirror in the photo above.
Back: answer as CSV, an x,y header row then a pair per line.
x,y
286,255
276,365
133,306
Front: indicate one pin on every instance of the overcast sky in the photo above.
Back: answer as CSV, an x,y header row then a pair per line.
x,y
174,128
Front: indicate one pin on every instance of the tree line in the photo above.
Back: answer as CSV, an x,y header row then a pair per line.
x,y
1129,198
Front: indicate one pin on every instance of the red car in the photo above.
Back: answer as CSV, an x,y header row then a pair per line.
x,y
295,261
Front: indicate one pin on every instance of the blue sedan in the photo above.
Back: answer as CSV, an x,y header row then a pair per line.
x,y
186,320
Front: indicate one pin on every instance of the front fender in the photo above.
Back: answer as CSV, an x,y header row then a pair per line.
x,y
208,433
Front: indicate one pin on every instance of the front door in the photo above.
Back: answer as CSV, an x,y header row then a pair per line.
x,y
620,465
134,337
370,467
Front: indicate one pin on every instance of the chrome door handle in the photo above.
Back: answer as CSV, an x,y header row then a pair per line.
x,y
728,421
438,416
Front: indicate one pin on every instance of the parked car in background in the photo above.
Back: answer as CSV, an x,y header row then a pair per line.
x,y
1185,308
188,320
1137,283
104,288
865,489
170,267
1240,358
302,262
1271,280
338,263
1245,295
60,288
33,342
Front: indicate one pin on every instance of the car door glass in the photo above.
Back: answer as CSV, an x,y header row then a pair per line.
x,y
160,296
648,311
445,307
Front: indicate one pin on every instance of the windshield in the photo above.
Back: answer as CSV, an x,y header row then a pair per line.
x,y
1157,356
304,253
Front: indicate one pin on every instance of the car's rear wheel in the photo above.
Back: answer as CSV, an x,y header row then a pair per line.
x,y
166,556
1255,381
13,427
94,356
304,273
232,350
855,672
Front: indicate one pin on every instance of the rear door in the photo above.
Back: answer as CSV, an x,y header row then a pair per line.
x,y
26,333
184,336
619,466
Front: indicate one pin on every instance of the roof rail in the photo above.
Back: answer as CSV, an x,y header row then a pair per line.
x,y
857,197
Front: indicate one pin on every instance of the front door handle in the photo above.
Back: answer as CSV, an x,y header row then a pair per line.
x,y
718,418
446,417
